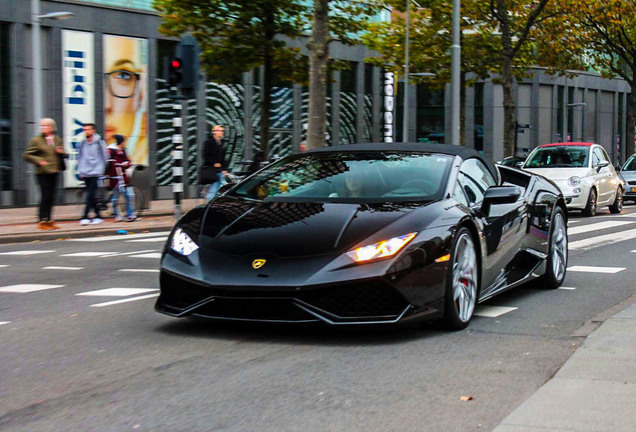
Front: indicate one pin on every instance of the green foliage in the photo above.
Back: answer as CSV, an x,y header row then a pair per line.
x,y
236,36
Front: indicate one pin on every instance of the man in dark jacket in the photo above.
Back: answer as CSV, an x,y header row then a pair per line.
x,y
214,156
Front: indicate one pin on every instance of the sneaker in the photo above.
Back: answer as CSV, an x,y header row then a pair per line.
x,y
119,218
43,225
97,221
53,226
131,218
85,221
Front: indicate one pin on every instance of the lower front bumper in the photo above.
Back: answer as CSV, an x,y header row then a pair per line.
x,y
365,302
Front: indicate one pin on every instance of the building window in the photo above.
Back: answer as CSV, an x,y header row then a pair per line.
x,y
430,114
5,110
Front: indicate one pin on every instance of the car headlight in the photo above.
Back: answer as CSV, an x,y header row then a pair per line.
x,y
182,244
383,249
574,181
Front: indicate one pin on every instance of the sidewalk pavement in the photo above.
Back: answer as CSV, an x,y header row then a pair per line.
x,y
18,225
595,390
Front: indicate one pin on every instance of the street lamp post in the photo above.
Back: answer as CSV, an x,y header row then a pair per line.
x,y
455,75
405,115
36,53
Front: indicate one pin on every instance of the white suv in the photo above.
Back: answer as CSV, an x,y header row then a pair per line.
x,y
582,171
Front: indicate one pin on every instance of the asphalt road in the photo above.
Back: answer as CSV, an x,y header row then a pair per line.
x,y
75,358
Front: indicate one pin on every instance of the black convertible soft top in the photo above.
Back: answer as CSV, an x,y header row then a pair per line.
x,y
462,152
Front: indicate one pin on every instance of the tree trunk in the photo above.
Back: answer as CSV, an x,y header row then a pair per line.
x,y
631,122
319,49
510,123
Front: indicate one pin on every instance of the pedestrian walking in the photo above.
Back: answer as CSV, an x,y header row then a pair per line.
x,y
91,165
46,152
118,162
213,168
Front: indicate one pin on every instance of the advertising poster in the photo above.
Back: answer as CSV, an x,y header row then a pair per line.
x,y
125,94
78,87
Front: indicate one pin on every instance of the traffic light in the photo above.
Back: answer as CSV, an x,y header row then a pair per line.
x,y
189,52
173,71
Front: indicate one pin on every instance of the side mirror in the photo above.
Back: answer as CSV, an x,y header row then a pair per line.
x,y
496,195
601,165
519,165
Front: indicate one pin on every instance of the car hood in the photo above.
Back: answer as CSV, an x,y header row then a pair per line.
x,y
558,174
294,229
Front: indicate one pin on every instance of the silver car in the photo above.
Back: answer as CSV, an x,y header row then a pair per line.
x,y
628,174
583,173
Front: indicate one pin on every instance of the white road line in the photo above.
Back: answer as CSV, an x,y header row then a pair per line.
x,y
27,288
117,292
567,288
4,322
121,237
148,255
607,239
139,270
597,226
4,265
27,252
114,254
593,269
148,240
62,268
493,311
573,222
114,302
89,254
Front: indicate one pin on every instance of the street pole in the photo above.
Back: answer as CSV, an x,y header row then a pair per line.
x,y
455,76
177,166
37,65
405,114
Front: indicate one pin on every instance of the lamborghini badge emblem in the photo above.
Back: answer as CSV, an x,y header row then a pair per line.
x,y
258,263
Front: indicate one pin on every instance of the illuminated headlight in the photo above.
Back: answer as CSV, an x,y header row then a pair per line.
x,y
182,243
383,249
574,181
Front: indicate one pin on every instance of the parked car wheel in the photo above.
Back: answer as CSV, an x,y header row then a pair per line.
x,y
462,283
617,206
558,253
590,207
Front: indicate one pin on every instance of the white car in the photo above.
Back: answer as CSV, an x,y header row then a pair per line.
x,y
582,171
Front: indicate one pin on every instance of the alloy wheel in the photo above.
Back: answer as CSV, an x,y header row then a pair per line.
x,y
559,247
465,277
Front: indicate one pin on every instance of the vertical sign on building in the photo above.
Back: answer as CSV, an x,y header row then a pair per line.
x,y
126,94
78,89
388,107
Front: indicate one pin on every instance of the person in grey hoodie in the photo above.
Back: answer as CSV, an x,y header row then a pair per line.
x,y
91,164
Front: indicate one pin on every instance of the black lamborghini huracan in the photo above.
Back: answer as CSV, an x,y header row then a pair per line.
x,y
366,234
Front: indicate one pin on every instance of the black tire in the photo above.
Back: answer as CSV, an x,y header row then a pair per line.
x,y
557,261
590,207
617,206
461,292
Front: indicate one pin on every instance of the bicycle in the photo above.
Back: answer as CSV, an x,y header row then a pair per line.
x,y
125,199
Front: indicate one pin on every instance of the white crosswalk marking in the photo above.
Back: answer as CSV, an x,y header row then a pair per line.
x,y
4,322
139,270
27,252
114,302
597,226
27,288
493,311
62,268
118,254
567,288
593,269
117,292
4,265
89,254
121,237
601,240
148,240
156,255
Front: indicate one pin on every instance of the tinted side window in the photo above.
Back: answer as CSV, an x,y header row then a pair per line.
x,y
475,178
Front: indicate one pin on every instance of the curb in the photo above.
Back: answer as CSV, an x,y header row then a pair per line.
x,y
64,235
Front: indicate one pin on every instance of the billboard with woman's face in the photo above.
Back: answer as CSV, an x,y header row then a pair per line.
x,y
125,94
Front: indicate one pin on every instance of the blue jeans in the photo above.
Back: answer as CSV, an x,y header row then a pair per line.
x,y
214,188
129,195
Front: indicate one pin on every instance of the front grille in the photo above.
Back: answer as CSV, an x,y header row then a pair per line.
x,y
632,182
179,293
362,299
254,309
